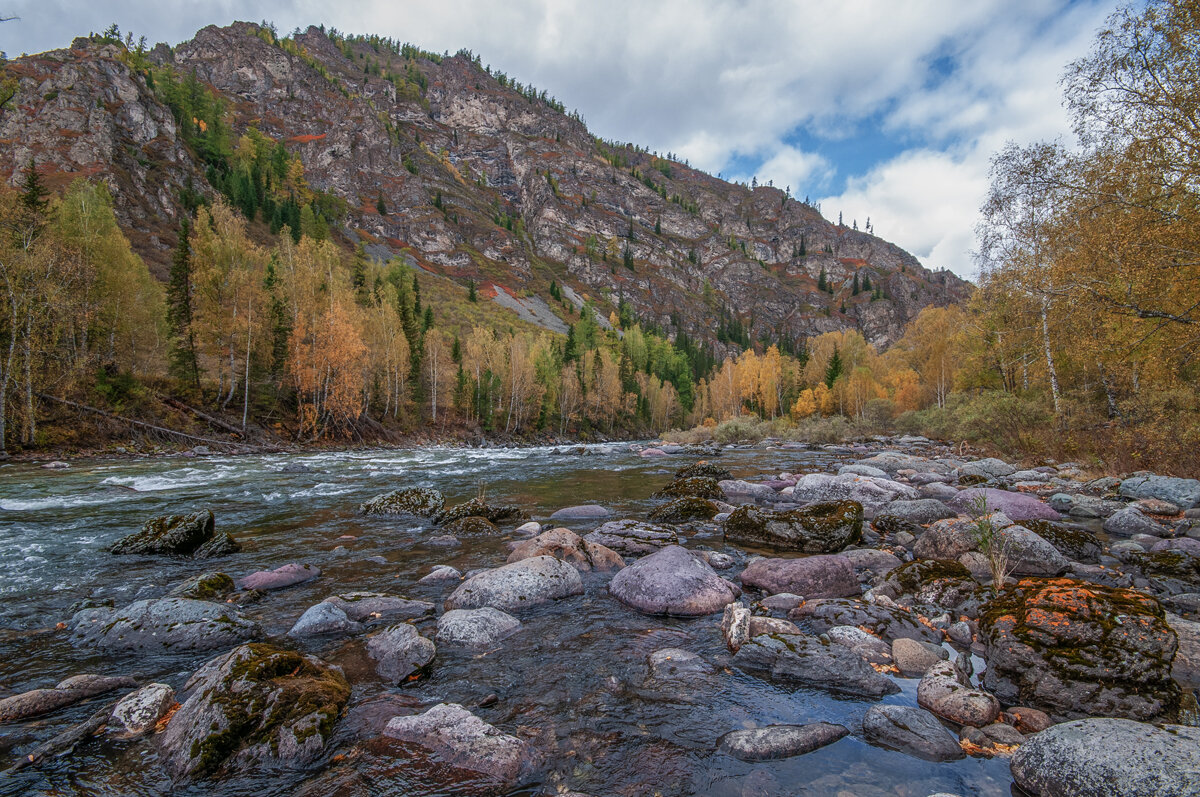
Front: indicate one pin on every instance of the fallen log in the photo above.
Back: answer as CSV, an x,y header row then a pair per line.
x,y
144,425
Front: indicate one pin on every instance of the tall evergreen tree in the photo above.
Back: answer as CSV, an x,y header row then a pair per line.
x,y
183,362
834,369
33,193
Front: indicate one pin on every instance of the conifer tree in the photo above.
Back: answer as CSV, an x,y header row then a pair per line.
x,y
183,363
834,369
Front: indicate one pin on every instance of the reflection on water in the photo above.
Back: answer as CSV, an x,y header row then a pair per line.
x,y
573,678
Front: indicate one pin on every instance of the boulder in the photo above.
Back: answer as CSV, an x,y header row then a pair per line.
x,y
943,692
256,707
933,582
886,622
422,502
910,730
913,659
990,468
702,468
462,740
520,585
1075,543
874,494
1171,572
324,618
1130,521
1030,555
138,712
583,512
1109,757
817,528
869,646
163,625
399,651
696,486
571,548
673,581
471,526
894,461
822,576
632,537
921,511
1183,493
475,628
780,741
68,692
192,535
204,587
684,510
869,562
1016,506
364,607
282,577
947,540
440,573
738,491
1077,649
479,508
809,661
863,470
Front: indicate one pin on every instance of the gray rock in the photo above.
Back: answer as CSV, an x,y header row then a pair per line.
x,y
780,741
913,659
782,602
399,651
441,573
824,576
910,730
886,622
743,492
942,692
571,548
1130,521
66,693
462,740
204,587
1029,554
1183,493
138,712
946,539
422,502
324,618
192,535
281,577
1017,506
673,581
256,707
817,528
363,607
520,585
894,461
475,628
633,537
871,561
173,625
920,511
863,470
990,468
675,667
869,646
1107,757
806,660
872,493
583,512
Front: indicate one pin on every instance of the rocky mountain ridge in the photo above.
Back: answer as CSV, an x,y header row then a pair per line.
x,y
470,176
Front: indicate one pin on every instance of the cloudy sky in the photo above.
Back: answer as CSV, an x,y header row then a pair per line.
x,y
884,109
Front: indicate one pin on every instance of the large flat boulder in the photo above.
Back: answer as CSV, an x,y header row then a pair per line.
x,y
422,502
911,730
633,537
872,493
1183,493
163,625
1015,506
673,581
780,741
822,576
807,660
817,528
520,585
571,548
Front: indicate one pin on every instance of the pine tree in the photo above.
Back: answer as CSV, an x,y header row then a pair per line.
x,y
281,326
427,320
471,295
658,226
627,259
379,205
33,193
183,364
416,292
823,282
866,285
857,287
834,369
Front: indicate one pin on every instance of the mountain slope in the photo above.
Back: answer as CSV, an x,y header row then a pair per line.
x,y
479,179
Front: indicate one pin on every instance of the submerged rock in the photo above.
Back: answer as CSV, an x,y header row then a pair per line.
x,y
817,528
673,581
462,740
324,618
1077,649
204,587
254,707
68,692
475,628
571,548
911,730
803,659
399,651
422,502
1108,757
172,625
633,537
517,586
824,576
287,575
192,535
780,741
363,607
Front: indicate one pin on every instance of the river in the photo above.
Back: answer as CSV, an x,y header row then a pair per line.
x,y
572,676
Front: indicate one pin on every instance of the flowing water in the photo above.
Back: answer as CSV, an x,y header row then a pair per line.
x,y
573,677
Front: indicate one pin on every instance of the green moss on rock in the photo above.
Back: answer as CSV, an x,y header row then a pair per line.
x,y
694,486
1078,545
707,469
826,527
477,507
684,510
422,502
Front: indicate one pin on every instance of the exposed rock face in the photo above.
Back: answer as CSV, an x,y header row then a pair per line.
x,y
163,625
1076,649
179,535
1107,757
462,740
803,659
517,586
673,581
571,548
256,706
817,528
813,576
422,502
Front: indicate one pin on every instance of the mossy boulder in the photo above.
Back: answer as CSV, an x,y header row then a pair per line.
x,y
971,479
809,661
1075,649
192,535
163,625
684,510
205,587
886,622
1075,543
706,469
827,527
471,526
890,524
255,707
422,502
1169,572
935,582
477,507
696,486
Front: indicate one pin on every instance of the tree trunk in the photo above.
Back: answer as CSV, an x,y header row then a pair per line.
x,y
246,379
1050,369
27,347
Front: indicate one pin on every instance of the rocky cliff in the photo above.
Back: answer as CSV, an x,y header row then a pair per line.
x,y
478,179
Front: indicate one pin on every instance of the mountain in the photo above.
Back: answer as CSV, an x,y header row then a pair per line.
x,y
460,170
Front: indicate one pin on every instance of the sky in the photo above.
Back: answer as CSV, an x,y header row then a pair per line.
x,y
881,109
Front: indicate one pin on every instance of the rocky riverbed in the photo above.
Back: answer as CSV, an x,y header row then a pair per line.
x,y
885,618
